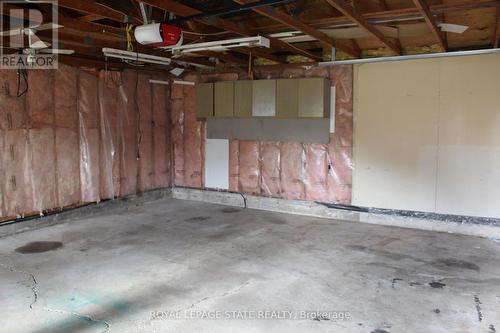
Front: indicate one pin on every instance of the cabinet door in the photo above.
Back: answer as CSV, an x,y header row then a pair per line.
x,y
205,100
287,98
264,98
313,98
243,99
224,99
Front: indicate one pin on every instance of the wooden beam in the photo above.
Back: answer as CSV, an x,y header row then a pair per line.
x,y
258,52
392,14
280,16
431,22
92,8
349,12
91,18
183,10
225,57
496,41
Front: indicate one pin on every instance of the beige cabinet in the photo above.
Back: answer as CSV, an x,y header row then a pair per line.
x,y
287,98
264,98
224,99
204,100
314,98
243,99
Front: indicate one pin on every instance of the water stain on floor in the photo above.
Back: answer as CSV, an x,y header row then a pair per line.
x,y
39,247
230,210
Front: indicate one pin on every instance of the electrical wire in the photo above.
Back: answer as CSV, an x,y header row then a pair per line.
x,y
128,30
22,72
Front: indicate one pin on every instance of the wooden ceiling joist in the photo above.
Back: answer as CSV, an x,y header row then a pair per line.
x,y
92,8
280,16
91,18
431,22
357,18
496,41
393,14
183,10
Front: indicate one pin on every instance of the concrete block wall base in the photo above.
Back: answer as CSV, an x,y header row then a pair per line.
x,y
308,208
90,210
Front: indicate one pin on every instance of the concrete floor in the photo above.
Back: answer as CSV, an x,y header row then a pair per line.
x,y
129,271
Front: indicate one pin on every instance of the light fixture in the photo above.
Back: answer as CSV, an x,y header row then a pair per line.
x,y
145,58
135,56
221,45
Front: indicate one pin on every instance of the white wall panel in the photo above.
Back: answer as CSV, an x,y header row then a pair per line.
x,y
469,137
395,135
217,164
427,135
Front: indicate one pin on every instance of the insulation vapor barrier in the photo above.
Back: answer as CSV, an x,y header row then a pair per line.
x,y
80,136
290,170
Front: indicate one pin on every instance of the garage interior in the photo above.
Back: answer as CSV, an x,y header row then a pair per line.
x,y
250,166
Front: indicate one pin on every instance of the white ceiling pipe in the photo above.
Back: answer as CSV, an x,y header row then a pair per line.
x,y
408,57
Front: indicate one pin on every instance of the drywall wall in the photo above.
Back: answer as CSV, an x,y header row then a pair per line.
x,y
468,180
395,135
80,136
426,137
292,170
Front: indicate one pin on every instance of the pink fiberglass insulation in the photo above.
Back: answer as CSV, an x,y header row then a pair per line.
x,y
249,167
68,167
40,98
316,170
108,117
43,166
234,167
145,135
127,128
339,177
17,173
342,79
178,140
73,138
12,112
292,170
40,106
193,141
88,120
66,129
161,136
270,156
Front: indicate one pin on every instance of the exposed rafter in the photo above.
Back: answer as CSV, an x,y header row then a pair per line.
x,y
496,41
183,10
431,22
91,18
93,8
280,16
402,13
351,13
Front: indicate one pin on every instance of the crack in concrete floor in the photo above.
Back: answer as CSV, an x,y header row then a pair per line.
x,y
34,289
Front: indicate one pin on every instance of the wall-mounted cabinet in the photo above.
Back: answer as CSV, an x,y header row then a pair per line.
x,y
243,99
264,98
287,98
224,99
314,98
205,100
282,99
